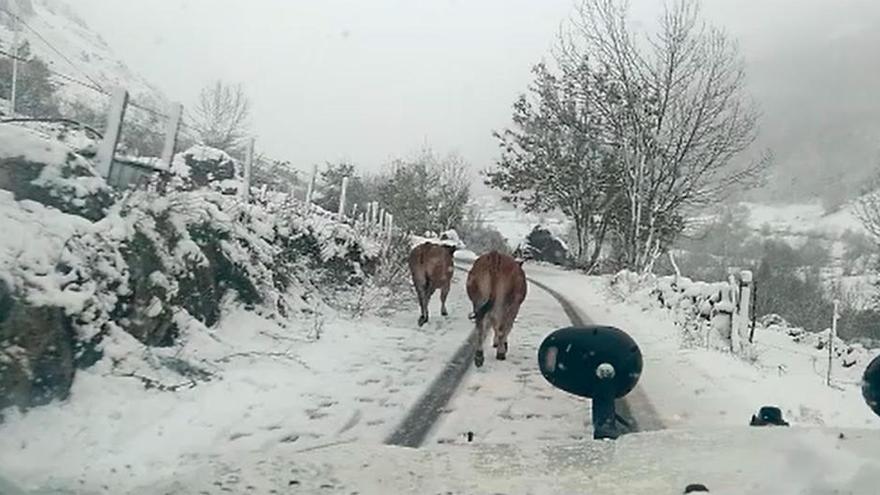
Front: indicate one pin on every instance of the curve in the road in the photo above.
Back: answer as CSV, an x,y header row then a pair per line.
x,y
414,428
635,408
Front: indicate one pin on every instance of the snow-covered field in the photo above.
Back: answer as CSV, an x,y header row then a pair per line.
x,y
515,224
804,219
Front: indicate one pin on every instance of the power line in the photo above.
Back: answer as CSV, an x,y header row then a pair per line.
x,y
59,74
95,87
52,47
153,111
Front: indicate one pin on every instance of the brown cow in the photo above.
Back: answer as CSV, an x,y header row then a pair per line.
x,y
496,286
431,267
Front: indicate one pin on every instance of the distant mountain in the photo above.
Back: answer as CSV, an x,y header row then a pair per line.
x,y
817,89
84,55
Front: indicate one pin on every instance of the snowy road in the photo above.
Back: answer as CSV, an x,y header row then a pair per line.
x,y
509,401
702,388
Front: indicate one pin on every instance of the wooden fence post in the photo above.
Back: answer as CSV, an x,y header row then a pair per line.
x,y
753,311
245,191
107,147
743,319
341,211
310,190
832,333
171,134
390,230
15,45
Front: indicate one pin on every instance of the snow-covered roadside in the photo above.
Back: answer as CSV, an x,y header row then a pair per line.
x,y
510,402
707,388
353,384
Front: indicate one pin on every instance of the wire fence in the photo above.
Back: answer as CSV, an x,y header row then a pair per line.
x,y
131,149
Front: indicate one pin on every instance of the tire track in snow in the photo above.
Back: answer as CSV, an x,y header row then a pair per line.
x,y
421,418
635,407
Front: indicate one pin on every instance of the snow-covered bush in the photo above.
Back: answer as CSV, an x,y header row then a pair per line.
x,y
204,167
161,264
482,238
543,245
42,169
36,338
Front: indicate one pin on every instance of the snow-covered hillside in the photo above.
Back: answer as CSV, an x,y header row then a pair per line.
x,y
91,60
804,219
513,223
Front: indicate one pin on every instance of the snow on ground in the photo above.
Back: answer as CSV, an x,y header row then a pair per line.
x,y
510,401
729,461
697,388
352,384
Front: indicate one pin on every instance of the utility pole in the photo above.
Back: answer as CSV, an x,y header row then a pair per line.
x,y
14,7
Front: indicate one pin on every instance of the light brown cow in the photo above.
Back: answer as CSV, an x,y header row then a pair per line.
x,y
431,266
496,286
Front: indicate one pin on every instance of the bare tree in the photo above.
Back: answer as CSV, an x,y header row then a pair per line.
x,y
427,192
221,116
867,210
553,157
676,112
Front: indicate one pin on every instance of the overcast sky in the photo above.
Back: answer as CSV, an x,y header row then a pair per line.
x,y
366,80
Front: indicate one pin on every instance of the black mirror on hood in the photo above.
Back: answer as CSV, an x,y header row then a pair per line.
x,y
597,362
871,385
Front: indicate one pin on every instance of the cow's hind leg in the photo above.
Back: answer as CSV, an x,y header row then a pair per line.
x,y
501,348
479,356
424,296
444,293
429,292
504,328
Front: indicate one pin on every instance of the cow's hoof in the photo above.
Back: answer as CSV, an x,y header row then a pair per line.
x,y
495,344
501,356
478,359
444,312
423,320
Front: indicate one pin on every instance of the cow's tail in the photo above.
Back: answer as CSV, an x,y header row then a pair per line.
x,y
481,311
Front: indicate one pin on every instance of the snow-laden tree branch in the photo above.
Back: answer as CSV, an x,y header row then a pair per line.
x,y
626,132
221,116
